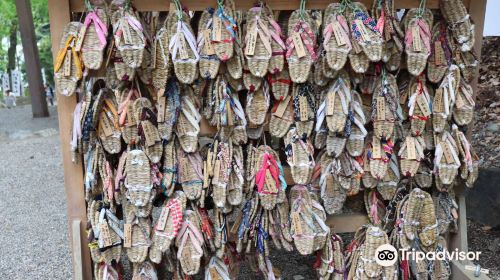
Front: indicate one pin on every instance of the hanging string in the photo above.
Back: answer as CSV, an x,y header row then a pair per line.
x,y
421,8
88,5
178,8
302,9
127,5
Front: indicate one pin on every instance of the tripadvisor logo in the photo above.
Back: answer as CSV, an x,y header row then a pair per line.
x,y
387,255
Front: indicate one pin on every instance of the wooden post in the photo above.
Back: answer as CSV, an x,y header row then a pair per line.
x,y
32,60
60,15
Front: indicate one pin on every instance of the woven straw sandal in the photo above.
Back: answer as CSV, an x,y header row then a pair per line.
x,y
236,180
444,98
300,45
463,109
108,129
300,152
411,154
440,57
107,231
190,243
168,109
167,226
161,59
183,48
224,30
129,37
355,129
365,32
459,22
336,42
322,231
278,47
188,124
300,216
222,169
280,84
375,237
257,105
209,62
68,69
468,63
335,144
379,156
357,59
235,64
94,41
138,181
446,212
417,44
169,169
375,207
419,104
389,26
427,223
126,112
281,118
103,271
332,193
424,177
304,108
470,161
269,177
144,271
258,49
140,242
149,135
217,270
388,185
337,104
412,212
190,173
122,70
384,106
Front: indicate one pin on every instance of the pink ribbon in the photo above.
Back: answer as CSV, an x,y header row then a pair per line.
x,y
268,163
276,34
381,23
424,34
308,38
100,27
327,33
77,128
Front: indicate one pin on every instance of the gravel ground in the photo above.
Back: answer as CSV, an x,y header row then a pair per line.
x,y
34,236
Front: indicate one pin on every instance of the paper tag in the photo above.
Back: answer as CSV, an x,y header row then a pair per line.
x,y
183,53
411,152
299,46
454,213
127,235
339,35
130,115
251,42
229,114
280,111
210,167
459,101
366,164
209,48
381,108
437,105
149,133
423,105
270,183
236,224
330,191
304,108
376,149
106,236
67,64
365,36
417,41
403,97
297,223
330,103
81,35
215,180
355,46
447,152
106,124
153,54
161,108
205,174
439,59
127,37
162,220
217,27
214,275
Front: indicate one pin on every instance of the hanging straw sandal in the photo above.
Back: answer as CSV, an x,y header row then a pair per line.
x,y
144,271
257,105
411,154
301,217
332,193
167,226
304,108
336,42
149,135
187,126
269,178
389,26
367,265
468,63
217,270
470,162
282,117
190,173
440,56
168,107
130,40
459,23
137,181
388,185
444,98
140,233
93,35
280,84
420,106
221,171
224,30
301,44
446,160
355,127
68,69
190,243
209,62
258,49
365,32
278,47
336,104
384,106
379,157
108,128
300,156
183,47
463,109
161,58
417,43
236,180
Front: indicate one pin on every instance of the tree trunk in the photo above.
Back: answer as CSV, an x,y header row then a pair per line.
x,y
11,52
32,60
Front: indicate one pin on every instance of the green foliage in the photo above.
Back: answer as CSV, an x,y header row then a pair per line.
x,y
8,19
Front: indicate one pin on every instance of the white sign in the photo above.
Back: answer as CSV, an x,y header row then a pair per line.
x,y
5,82
16,82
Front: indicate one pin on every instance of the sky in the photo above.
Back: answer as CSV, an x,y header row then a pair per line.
x,y
491,26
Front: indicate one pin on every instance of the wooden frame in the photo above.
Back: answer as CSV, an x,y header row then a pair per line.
x,y
60,14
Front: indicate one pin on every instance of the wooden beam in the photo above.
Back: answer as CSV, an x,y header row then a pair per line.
x,y
77,250
32,59
59,13
199,5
